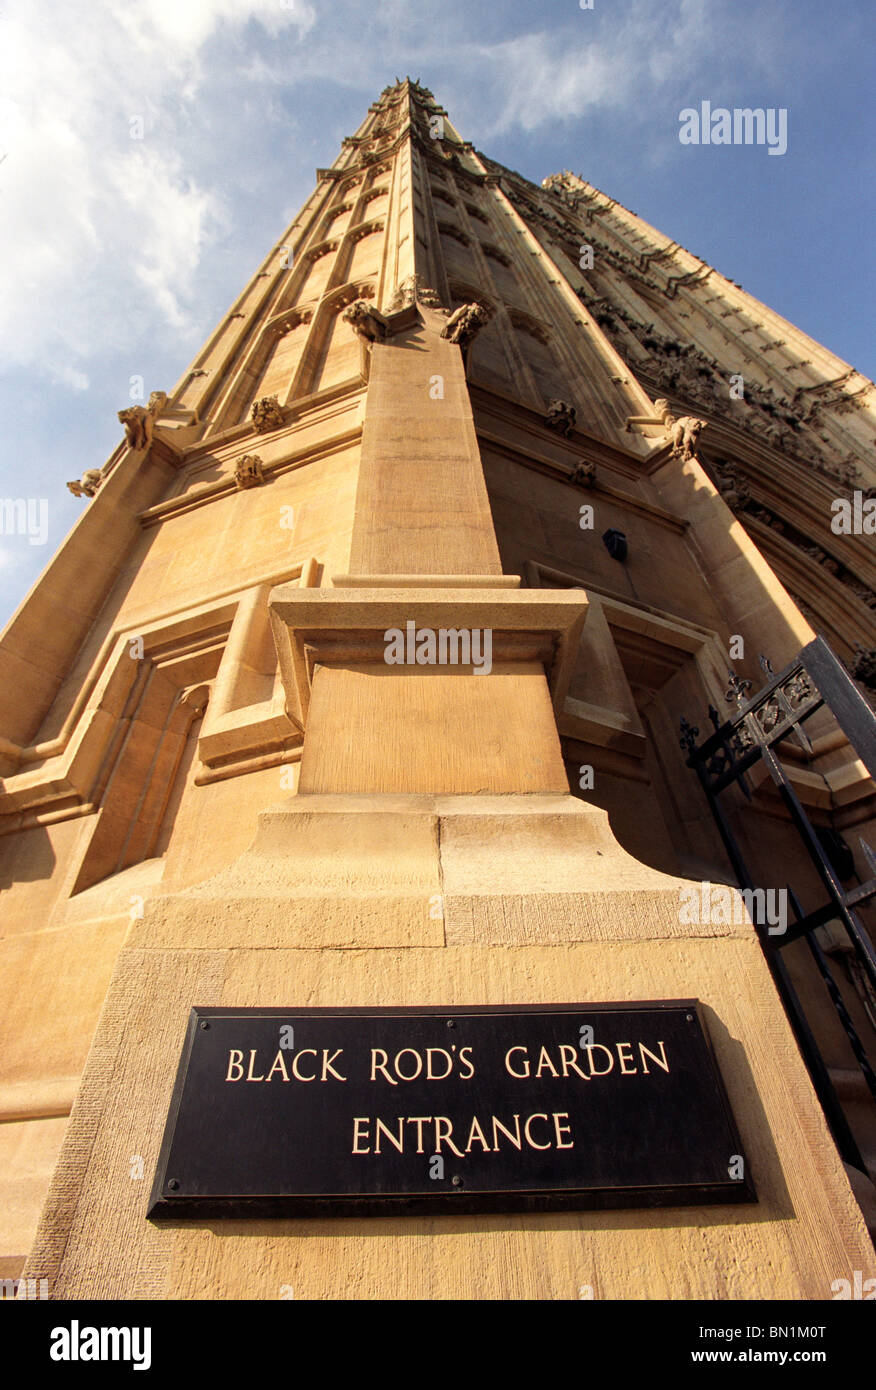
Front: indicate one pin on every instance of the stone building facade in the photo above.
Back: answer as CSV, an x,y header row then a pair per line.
x,y
441,392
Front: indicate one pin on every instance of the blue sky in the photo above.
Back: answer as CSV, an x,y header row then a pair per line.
x,y
119,255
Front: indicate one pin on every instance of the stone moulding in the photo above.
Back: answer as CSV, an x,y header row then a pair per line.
x,y
62,778
334,626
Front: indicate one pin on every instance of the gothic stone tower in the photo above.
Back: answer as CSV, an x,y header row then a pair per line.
x,y
216,791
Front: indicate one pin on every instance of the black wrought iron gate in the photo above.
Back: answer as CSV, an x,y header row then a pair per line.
x,y
778,711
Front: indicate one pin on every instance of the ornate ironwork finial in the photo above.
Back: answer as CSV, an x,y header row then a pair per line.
x,y
715,717
739,688
689,735
766,666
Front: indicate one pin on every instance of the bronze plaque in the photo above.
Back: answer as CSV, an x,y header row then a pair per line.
x,y
380,1111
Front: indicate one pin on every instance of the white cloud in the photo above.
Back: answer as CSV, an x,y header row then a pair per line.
x,y
71,376
169,223
104,235
106,239
99,227
185,25
619,64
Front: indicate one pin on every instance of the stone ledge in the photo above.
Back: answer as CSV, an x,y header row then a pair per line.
x,y
303,618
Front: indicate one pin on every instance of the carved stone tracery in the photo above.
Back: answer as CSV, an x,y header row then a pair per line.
x,y
736,491
449,229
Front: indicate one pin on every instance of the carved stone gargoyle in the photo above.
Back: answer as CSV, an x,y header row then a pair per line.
x,y
561,416
87,485
139,421
266,414
248,472
682,432
413,291
366,322
583,474
464,324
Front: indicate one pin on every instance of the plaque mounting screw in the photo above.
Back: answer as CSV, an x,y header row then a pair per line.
x,y
689,1018
173,1184
450,1023
457,1181
204,1023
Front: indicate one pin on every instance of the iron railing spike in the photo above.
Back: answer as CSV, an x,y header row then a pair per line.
x,y
869,854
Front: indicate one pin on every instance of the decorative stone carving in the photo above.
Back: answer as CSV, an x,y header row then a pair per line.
x,y
684,434
769,519
248,472
561,185
494,253
325,248
139,420
194,698
730,483
733,488
688,372
778,437
365,230
448,229
266,415
860,590
88,484
413,291
464,324
561,417
365,321
792,426
583,474
822,558
525,323
287,322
